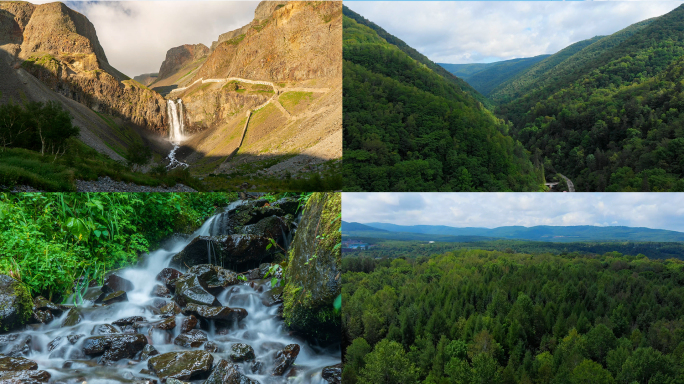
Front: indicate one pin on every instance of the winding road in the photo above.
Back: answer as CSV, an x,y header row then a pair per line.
x,y
571,186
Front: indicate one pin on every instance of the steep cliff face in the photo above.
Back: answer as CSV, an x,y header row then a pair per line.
x,y
271,89
60,47
178,57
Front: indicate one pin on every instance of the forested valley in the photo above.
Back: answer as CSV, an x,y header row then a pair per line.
x,y
409,125
607,112
476,316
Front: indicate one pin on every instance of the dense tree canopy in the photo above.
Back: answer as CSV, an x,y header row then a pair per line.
x,y
610,116
407,128
474,316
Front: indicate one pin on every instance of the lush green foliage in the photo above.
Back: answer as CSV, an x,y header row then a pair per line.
x,y
36,126
486,77
611,116
49,240
407,128
475,316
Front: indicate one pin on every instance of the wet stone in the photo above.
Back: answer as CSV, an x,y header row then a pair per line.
x,y
42,316
129,320
32,376
192,339
185,365
226,372
18,344
161,291
272,297
241,352
16,364
212,347
42,303
191,290
170,309
114,347
169,323
333,374
103,329
257,367
115,283
285,358
167,275
115,297
73,317
219,314
175,381
148,352
188,323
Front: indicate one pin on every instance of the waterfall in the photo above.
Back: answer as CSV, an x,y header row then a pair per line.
x,y
176,125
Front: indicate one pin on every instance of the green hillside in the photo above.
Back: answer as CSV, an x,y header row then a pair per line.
x,y
409,127
486,77
610,116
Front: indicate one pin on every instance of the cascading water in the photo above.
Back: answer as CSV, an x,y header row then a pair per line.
x,y
262,329
176,130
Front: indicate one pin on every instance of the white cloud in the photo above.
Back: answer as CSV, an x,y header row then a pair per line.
x,y
490,210
137,34
485,31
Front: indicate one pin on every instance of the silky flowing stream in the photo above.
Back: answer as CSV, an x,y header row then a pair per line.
x,y
261,329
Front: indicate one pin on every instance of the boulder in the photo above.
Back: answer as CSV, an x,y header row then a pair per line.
x,y
185,365
115,283
332,374
45,311
170,309
104,329
16,307
212,347
190,289
222,315
148,352
273,227
289,205
228,373
314,270
284,359
63,347
16,344
115,297
93,295
161,291
32,376
167,324
16,364
128,320
272,297
191,339
215,277
188,323
168,275
114,347
42,316
236,251
241,352
72,318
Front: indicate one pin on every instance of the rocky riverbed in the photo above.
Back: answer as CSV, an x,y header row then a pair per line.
x,y
206,308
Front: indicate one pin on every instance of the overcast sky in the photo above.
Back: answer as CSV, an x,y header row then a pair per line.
x,y
491,210
135,35
486,31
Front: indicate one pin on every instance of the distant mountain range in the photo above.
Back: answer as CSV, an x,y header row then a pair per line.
x,y
485,77
537,233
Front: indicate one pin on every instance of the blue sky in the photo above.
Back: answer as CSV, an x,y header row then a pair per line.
x,y
486,31
490,210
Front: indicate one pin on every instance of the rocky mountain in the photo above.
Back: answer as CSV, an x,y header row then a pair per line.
x,y
146,78
51,52
264,93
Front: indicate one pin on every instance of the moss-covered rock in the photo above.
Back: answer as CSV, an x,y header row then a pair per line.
x,y
313,274
16,306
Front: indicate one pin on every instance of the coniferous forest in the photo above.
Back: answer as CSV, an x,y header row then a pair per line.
x,y
606,112
475,316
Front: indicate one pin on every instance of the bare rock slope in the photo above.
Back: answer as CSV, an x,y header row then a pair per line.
x,y
267,96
